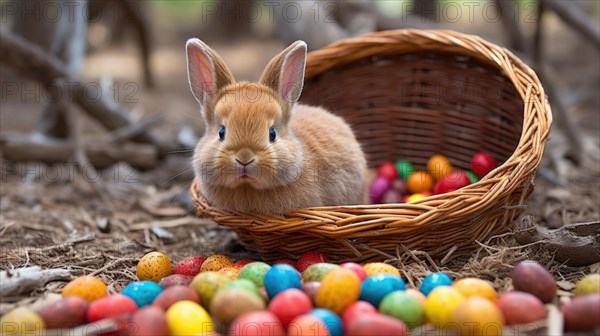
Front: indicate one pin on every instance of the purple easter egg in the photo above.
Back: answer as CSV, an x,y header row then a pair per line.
x,y
399,186
391,196
378,189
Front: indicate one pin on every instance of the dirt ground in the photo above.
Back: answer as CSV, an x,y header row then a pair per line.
x,y
53,217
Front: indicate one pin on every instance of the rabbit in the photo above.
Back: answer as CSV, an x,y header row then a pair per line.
x,y
262,152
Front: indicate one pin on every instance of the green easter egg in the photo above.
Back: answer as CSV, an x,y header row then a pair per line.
x,y
243,284
472,177
255,272
404,168
404,307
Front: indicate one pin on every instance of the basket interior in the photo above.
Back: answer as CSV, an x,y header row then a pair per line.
x,y
419,104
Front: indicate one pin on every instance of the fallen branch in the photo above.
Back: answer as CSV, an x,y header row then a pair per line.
x,y
24,280
576,18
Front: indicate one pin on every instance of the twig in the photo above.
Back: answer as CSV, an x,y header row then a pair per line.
x,y
188,220
133,130
112,264
24,280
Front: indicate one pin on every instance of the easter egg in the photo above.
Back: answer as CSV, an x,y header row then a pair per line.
x,y
589,284
378,188
174,294
207,284
404,307
305,325
388,171
255,272
188,318
110,306
355,310
451,182
257,323
582,313
332,322
482,163
309,258
290,304
399,186
149,321
286,262
175,280
414,197
244,284
21,321
438,166
67,312
478,316
469,287
215,263
310,289
316,272
142,292
434,280
356,268
416,294
419,181
189,266
153,267
531,277
391,196
404,168
88,287
472,177
229,304
375,287
440,305
374,268
376,325
339,288
281,277
243,262
231,272
520,307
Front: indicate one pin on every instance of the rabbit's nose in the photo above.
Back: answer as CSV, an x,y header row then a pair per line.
x,y
244,164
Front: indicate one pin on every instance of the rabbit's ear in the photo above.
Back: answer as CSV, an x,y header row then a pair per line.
x,y
207,73
285,72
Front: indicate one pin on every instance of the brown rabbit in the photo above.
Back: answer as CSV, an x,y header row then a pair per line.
x,y
262,152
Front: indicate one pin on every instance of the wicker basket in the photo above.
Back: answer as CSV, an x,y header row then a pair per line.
x,y
411,94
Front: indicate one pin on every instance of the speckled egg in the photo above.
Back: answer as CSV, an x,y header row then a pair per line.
x,y
316,272
380,268
440,305
281,277
375,287
188,318
231,272
207,284
434,280
88,287
154,266
333,323
142,292
404,307
21,321
244,284
589,284
339,288
215,263
470,287
255,272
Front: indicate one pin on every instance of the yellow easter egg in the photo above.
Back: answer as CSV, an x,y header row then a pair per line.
x,y
154,266
470,287
339,289
438,166
188,318
478,316
87,287
231,272
589,284
215,263
380,268
440,306
207,284
21,321
414,197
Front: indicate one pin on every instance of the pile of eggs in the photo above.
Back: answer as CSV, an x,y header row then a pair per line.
x,y
309,296
400,182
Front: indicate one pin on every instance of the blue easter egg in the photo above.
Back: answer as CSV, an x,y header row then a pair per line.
x,y
374,288
281,277
434,280
142,292
332,322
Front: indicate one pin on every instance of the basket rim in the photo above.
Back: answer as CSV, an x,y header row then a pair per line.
x,y
525,158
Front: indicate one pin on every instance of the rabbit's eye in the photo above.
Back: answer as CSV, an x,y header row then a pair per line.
x,y
272,134
222,133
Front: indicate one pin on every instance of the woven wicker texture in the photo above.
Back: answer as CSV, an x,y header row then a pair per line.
x,y
411,94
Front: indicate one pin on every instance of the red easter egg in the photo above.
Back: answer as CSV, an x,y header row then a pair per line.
x,y
355,310
357,269
286,262
176,280
482,163
387,170
520,307
290,304
256,323
309,258
174,294
189,266
150,320
453,181
110,306
376,325
378,189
